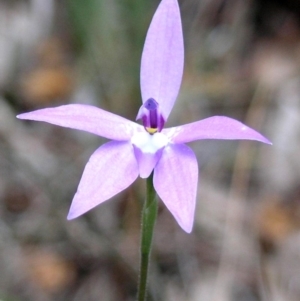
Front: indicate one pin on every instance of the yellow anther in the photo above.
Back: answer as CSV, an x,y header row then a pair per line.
x,y
151,130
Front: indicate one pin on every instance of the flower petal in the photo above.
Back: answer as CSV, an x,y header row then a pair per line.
x,y
162,58
216,127
111,169
176,181
146,161
86,118
148,149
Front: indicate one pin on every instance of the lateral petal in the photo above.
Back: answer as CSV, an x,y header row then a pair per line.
x,y
86,118
216,127
163,56
176,181
110,169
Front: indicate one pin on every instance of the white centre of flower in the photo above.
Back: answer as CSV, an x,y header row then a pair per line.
x,y
148,143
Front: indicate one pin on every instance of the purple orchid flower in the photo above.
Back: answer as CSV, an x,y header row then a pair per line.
x,y
138,150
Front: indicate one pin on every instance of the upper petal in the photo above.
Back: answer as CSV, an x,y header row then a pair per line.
x,y
111,169
216,127
162,58
176,180
87,118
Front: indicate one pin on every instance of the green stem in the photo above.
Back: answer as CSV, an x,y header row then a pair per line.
x,y
148,220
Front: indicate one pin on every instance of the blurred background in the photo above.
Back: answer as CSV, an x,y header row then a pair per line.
x,y
242,60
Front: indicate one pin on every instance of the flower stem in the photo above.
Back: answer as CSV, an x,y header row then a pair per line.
x,y
149,214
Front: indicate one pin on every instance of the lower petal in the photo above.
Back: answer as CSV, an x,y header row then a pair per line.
x,y
148,149
146,161
176,180
110,169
